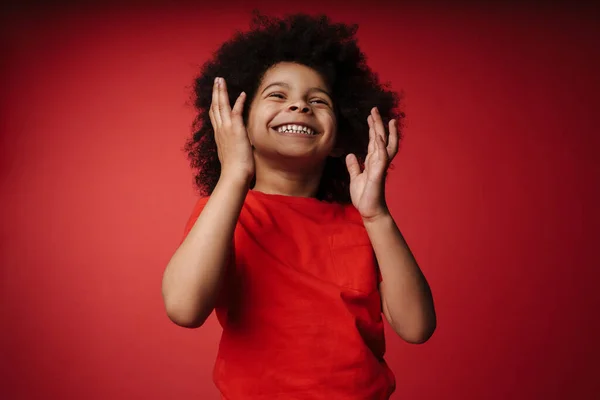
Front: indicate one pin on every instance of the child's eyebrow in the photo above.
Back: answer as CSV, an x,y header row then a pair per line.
x,y
316,89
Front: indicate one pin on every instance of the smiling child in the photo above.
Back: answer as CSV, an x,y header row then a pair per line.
x,y
292,243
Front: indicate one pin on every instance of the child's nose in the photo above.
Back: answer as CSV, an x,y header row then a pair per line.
x,y
299,106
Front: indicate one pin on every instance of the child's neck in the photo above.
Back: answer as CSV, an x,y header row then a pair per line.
x,y
287,183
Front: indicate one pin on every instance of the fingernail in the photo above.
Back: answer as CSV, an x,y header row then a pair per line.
x,y
216,79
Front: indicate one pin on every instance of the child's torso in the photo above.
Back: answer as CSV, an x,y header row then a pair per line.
x,y
301,311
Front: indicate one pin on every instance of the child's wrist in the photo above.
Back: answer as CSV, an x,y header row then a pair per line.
x,y
236,181
377,218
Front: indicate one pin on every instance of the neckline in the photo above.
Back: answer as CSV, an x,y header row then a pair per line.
x,y
298,200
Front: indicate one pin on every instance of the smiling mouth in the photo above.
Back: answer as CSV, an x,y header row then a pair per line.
x,y
295,129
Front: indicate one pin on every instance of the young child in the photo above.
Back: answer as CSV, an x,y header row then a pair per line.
x,y
293,245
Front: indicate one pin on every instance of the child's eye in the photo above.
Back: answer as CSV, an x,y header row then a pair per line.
x,y
319,101
278,95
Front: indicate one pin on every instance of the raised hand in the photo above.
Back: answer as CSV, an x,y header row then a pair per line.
x,y
367,188
233,145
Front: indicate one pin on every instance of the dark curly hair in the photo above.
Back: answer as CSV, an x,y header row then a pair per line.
x,y
329,48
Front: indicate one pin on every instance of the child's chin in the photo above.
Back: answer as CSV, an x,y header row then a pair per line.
x,y
297,152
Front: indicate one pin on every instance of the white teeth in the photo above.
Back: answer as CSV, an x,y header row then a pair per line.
x,y
295,129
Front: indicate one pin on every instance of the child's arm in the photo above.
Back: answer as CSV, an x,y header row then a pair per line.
x,y
405,294
193,278
194,275
406,297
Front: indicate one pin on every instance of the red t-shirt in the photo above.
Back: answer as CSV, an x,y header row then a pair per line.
x,y
300,310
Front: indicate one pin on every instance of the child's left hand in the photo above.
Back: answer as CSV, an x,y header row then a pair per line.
x,y
367,188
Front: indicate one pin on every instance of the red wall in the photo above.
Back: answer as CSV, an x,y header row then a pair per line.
x,y
495,188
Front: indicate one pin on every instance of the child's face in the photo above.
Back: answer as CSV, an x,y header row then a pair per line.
x,y
292,115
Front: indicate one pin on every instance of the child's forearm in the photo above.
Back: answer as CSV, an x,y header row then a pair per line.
x,y
406,297
193,278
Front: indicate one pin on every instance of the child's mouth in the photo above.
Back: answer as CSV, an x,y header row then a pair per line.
x,y
295,130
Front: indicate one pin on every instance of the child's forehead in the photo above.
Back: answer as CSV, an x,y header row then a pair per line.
x,y
293,75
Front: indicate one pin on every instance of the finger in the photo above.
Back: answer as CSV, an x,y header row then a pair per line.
x,y
214,105
372,157
224,106
238,107
371,128
214,129
213,123
377,151
392,147
378,165
214,126
383,150
378,124
371,145
352,165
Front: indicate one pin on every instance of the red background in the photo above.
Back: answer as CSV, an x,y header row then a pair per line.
x,y
495,187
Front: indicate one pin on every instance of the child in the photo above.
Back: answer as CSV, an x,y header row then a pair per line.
x,y
293,245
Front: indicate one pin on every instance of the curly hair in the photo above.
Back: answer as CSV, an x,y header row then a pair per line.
x,y
329,48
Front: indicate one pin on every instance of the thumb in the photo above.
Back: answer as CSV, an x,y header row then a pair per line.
x,y
352,165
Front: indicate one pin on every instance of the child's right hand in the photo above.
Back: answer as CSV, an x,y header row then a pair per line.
x,y
233,145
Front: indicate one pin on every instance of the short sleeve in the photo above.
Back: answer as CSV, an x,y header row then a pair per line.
x,y
198,207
